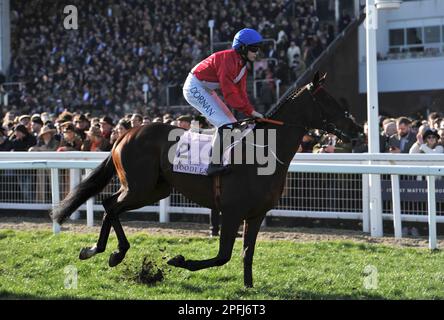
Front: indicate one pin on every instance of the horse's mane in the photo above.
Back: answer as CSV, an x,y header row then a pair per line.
x,y
290,96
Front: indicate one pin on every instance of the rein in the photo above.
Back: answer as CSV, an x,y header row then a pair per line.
x,y
327,124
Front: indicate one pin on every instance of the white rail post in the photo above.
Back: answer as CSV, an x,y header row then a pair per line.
x,y
371,24
396,202
164,205
431,204
89,206
55,194
365,203
74,179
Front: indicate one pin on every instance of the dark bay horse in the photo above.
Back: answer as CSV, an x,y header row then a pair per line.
x,y
140,159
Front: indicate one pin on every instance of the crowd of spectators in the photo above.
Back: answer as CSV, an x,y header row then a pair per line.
x,y
76,132
121,45
71,131
397,135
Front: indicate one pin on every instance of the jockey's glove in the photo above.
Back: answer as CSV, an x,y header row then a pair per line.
x,y
256,114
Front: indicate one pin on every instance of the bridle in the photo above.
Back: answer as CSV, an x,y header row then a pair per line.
x,y
328,123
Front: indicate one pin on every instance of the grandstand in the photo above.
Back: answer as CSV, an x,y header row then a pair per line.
x,y
121,45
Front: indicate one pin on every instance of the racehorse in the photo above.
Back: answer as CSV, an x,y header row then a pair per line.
x,y
140,160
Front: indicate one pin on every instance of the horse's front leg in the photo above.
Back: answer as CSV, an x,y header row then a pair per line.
x,y
229,228
100,246
251,229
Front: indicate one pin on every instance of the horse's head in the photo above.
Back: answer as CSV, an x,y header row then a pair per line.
x,y
334,117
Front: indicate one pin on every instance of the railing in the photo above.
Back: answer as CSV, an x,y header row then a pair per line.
x,y
12,84
317,186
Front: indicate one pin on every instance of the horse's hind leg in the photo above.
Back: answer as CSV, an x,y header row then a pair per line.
x,y
113,209
230,226
100,246
130,201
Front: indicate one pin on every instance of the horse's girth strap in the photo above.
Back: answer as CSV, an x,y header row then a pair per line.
x,y
217,191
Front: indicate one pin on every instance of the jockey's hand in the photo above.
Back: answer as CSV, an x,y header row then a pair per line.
x,y
256,114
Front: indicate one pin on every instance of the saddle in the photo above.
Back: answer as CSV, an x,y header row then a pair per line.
x,y
193,151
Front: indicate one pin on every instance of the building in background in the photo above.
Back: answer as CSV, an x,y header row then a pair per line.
x,y
410,46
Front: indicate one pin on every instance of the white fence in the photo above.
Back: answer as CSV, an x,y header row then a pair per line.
x,y
318,186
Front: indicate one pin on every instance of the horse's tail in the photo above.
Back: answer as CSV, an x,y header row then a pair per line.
x,y
92,185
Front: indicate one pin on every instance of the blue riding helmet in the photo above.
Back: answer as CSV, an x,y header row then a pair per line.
x,y
246,37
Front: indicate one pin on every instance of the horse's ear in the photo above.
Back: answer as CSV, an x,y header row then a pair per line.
x,y
322,79
316,79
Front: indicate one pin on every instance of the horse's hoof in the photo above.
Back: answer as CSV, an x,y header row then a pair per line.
x,y
116,258
177,261
87,253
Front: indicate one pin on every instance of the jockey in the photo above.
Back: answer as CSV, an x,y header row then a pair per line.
x,y
226,70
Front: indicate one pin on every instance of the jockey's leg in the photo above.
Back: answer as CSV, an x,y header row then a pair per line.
x,y
217,113
207,102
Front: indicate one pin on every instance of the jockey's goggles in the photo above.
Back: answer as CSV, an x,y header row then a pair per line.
x,y
254,48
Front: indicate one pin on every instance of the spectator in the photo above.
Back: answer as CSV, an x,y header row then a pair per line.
x,y
46,140
441,135
167,118
146,121
95,141
106,126
388,130
184,122
114,136
360,145
123,126
5,144
36,124
404,139
309,140
432,118
136,120
22,140
329,143
293,51
45,117
81,125
26,121
8,118
70,141
427,143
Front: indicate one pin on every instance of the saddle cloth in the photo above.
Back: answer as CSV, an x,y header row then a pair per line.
x,y
194,149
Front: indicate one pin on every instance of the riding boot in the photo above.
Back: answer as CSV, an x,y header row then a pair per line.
x,y
216,164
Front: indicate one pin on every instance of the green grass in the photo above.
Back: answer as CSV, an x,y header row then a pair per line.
x,y
32,266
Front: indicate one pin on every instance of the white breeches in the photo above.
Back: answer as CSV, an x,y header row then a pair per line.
x,y
207,102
